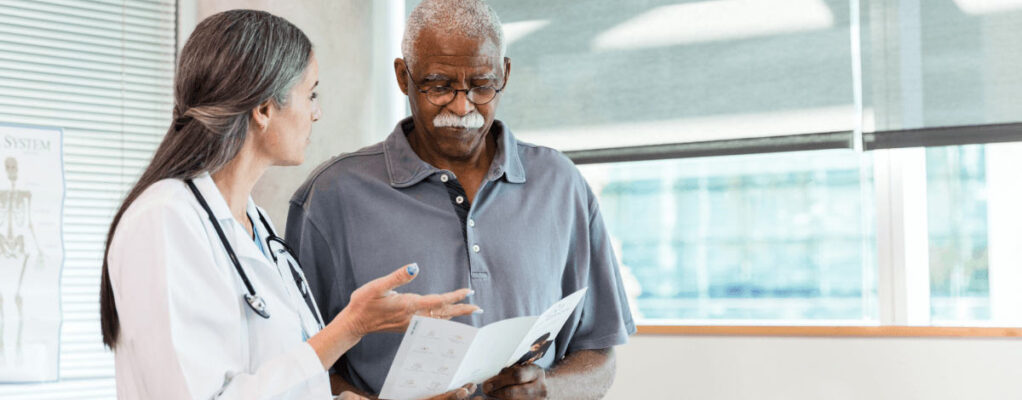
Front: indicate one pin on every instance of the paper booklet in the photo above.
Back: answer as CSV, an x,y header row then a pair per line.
x,y
437,356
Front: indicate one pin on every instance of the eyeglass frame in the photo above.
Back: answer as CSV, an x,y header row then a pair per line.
x,y
411,80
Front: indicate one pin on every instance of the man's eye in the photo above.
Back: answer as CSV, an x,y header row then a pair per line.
x,y
484,90
314,96
440,89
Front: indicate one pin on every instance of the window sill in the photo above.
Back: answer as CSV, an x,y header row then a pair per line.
x,y
831,331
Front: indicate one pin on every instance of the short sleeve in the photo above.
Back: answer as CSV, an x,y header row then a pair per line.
x,y
605,319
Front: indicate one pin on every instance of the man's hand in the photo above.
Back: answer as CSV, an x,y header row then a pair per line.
x,y
517,382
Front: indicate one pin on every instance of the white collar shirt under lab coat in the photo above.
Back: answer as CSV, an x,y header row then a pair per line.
x,y
185,330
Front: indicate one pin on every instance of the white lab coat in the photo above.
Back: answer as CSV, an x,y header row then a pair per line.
x,y
186,332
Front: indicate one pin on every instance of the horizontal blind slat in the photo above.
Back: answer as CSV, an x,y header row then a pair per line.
x,y
102,71
116,22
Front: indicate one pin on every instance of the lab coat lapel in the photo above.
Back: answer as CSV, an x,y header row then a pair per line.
x,y
248,254
214,198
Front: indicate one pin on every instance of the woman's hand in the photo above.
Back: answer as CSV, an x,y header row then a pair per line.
x,y
461,393
351,396
376,307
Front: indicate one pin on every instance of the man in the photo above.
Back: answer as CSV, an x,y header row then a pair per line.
x,y
453,190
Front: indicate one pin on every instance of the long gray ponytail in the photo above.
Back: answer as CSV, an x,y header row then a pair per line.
x,y
233,62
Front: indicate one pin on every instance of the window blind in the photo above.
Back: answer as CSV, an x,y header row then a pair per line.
x,y
605,74
102,70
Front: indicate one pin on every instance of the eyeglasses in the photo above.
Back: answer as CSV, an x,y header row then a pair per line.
x,y
443,95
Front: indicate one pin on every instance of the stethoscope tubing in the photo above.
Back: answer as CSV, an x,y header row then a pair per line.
x,y
251,297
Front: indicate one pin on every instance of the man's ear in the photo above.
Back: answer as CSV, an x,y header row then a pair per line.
x,y
261,115
507,70
400,72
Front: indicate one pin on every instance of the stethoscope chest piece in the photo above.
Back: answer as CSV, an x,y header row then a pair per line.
x,y
257,304
254,300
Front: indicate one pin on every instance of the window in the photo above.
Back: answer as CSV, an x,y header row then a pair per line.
x,y
973,233
640,73
102,71
784,237
807,162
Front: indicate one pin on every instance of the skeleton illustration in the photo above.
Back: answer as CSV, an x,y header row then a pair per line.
x,y
15,219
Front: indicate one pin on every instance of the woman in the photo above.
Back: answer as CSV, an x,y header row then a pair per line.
x,y
199,297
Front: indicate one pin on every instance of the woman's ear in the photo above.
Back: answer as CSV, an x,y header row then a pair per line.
x,y
261,115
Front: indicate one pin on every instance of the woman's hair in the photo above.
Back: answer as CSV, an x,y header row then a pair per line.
x,y
233,62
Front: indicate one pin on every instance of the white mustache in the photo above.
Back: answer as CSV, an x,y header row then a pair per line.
x,y
473,120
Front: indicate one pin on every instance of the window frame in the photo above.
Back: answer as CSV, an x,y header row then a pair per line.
x,y
902,260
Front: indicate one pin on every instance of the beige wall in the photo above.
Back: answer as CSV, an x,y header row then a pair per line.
x,y
784,368
341,32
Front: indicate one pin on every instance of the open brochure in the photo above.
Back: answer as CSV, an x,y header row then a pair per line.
x,y
436,355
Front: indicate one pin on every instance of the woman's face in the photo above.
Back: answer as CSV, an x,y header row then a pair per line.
x,y
288,130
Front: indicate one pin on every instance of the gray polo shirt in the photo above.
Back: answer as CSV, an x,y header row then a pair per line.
x,y
533,235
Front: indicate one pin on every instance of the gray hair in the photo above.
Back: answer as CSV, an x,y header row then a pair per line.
x,y
472,18
233,62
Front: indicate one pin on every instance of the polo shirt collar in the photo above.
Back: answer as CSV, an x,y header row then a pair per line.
x,y
405,168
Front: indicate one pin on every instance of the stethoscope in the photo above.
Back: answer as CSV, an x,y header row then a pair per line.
x,y
255,301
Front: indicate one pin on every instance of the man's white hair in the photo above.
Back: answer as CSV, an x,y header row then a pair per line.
x,y
472,18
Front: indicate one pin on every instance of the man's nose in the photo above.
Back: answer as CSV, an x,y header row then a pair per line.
x,y
460,106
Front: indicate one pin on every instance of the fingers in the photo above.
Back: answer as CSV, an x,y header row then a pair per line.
x,y
461,393
512,376
465,391
455,310
456,394
436,301
530,390
382,286
350,396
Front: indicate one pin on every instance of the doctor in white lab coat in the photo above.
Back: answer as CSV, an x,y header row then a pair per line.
x,y
185,318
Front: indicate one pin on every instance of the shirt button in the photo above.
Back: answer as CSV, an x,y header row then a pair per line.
x,y
459,199
475,248
471,223
444,178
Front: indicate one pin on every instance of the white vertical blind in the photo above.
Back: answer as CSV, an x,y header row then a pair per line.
x,y
103,71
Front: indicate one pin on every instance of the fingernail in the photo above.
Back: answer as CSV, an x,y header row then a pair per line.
x,y
413,269
470,293
477,311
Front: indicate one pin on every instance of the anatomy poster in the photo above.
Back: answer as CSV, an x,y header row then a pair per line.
x,y
31,252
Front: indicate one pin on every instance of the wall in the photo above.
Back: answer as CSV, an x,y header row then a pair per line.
x,y
773,368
